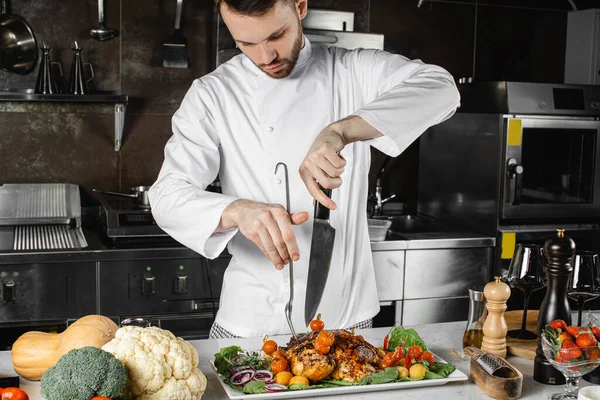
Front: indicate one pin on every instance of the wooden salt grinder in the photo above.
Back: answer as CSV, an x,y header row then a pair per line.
x,y
494,327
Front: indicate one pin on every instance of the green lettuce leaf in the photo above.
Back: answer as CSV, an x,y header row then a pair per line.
x,y
405,338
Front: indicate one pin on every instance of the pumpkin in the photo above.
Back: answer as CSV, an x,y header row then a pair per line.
x,y
34,352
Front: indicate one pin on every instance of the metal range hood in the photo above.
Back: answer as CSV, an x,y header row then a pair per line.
x,y
336,28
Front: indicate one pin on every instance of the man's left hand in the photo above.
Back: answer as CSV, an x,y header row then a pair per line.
x,y
323,164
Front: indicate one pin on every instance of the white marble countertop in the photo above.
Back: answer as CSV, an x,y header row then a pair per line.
x,y
443,339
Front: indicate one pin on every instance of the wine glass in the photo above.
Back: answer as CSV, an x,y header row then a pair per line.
x,y
586,362
583,281
526,273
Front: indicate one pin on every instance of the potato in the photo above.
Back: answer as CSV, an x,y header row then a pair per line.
x,y
283,377
417,371
402,372
299,380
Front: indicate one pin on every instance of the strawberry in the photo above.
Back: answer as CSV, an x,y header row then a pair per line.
x,y
568,351
586,340
558,324
574,330
565,336
596,332
592,354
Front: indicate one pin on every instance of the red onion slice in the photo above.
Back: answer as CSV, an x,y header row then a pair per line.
x,y
263,375
240,357
242,377
275,387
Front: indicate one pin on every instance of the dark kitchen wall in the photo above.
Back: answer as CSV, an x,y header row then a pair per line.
x,y
44,142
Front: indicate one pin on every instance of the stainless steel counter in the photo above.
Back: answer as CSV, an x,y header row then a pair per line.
x,y
412,232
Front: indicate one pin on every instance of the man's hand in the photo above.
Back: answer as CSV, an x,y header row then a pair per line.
x,y
269,226
323,164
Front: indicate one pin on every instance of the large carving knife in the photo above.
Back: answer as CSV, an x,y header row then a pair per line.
x,y
321,250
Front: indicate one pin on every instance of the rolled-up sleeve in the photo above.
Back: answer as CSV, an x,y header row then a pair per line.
x,y
405,98
180,204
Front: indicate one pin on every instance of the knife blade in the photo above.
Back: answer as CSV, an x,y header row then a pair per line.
x,y
321,250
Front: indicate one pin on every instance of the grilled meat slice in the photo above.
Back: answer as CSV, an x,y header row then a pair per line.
x,y
350,358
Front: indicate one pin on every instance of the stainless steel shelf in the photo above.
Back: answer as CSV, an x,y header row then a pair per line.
x,y
107,97
119,100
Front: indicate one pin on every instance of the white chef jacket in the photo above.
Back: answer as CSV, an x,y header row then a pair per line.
x,y
239,123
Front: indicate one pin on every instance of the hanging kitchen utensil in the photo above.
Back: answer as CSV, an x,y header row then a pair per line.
x,y
288,306
101,32
139,194
321,250
18,47
175,51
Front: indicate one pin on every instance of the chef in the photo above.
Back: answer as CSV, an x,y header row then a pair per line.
x,y
316,109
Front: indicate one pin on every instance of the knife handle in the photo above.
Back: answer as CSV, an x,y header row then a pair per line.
x,y
322,212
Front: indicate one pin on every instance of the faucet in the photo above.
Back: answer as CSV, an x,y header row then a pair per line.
x,y
379,202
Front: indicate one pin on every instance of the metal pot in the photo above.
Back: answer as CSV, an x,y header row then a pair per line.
x,y
18,47
138,193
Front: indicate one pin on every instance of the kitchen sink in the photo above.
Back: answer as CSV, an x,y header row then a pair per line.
x,y
413,224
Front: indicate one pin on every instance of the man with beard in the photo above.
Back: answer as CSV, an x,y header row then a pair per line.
x,y
316,109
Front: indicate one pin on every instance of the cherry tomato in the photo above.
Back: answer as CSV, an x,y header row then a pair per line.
x,y
278,365
326,338
100,398
12,393
277,354
415,352
317,324
322,348
269,346
427,356
391,359
386,340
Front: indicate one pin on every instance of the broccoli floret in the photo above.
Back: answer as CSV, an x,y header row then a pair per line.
x,y
84,373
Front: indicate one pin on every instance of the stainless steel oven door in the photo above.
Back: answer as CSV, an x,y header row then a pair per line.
x,y
551,169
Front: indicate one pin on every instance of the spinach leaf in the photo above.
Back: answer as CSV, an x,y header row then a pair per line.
x,y
385,376
405,338
333,382
254,387
224,356
442,369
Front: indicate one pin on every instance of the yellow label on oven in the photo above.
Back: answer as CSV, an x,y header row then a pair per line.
x,y
509,241
515,132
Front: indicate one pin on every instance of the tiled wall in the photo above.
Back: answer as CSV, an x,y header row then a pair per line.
x,y
510,39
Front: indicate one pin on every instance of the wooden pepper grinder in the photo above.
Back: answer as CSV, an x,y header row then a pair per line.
x,y
494,327
559,251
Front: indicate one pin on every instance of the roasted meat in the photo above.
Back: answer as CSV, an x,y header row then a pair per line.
x,y
350,357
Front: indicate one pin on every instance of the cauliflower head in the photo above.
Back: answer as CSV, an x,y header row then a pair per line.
x,y
159,365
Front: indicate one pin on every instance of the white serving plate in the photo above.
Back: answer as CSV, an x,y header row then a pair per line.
x,y
455,376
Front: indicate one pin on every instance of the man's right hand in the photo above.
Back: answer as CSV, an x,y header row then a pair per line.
x,y
269,226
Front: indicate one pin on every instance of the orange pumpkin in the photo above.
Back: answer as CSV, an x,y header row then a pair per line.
x,y
34,352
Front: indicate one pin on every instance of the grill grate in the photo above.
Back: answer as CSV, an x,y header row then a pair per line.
x,y
43,201
48,237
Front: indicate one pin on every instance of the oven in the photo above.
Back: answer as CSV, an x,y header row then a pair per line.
x,y
517,160
551,168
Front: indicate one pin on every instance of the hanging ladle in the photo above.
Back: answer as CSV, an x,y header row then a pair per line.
x,y
102,32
